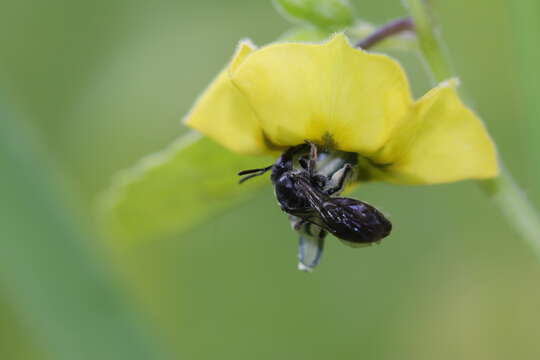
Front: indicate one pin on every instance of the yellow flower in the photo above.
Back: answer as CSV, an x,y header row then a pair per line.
x,y
280,95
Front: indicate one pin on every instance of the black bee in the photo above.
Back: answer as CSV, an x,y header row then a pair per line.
x,y
305,185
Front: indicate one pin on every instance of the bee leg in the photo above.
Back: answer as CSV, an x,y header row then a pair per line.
x,y
339,180
312,162
310,245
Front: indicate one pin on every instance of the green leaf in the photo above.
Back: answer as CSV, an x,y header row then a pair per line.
x,y
171,191
330,15
49,268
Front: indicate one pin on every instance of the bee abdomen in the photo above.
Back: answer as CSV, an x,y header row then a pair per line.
x,y
355,221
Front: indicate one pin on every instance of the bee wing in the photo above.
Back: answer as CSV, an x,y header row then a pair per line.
x,y
352,221
317,214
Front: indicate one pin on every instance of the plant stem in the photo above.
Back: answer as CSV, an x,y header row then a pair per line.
x,y
513,203
505,193
392,28
429,41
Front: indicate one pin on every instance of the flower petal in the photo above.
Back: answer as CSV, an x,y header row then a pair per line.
x,y
223,114
308,91
440,141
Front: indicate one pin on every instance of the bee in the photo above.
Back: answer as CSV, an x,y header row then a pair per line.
x,y
306,184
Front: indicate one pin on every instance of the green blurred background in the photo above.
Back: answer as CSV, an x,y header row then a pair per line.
x,y
99,84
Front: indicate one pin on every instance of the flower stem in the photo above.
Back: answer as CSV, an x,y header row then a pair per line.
x,y
513,203
429,41
505,193
392,28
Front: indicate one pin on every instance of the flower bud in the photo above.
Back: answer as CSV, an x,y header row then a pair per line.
x,y
325,14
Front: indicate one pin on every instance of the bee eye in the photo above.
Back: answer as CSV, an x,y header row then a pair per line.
x,y
288,195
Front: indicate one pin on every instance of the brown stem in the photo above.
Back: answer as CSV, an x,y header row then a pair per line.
x,y
392,28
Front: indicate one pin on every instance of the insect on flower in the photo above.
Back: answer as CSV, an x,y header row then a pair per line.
x,y
357,107
307,193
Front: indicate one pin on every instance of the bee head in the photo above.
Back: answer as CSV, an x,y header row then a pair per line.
x,y
288,193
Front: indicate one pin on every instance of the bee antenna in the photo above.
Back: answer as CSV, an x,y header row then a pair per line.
x,y
251,173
